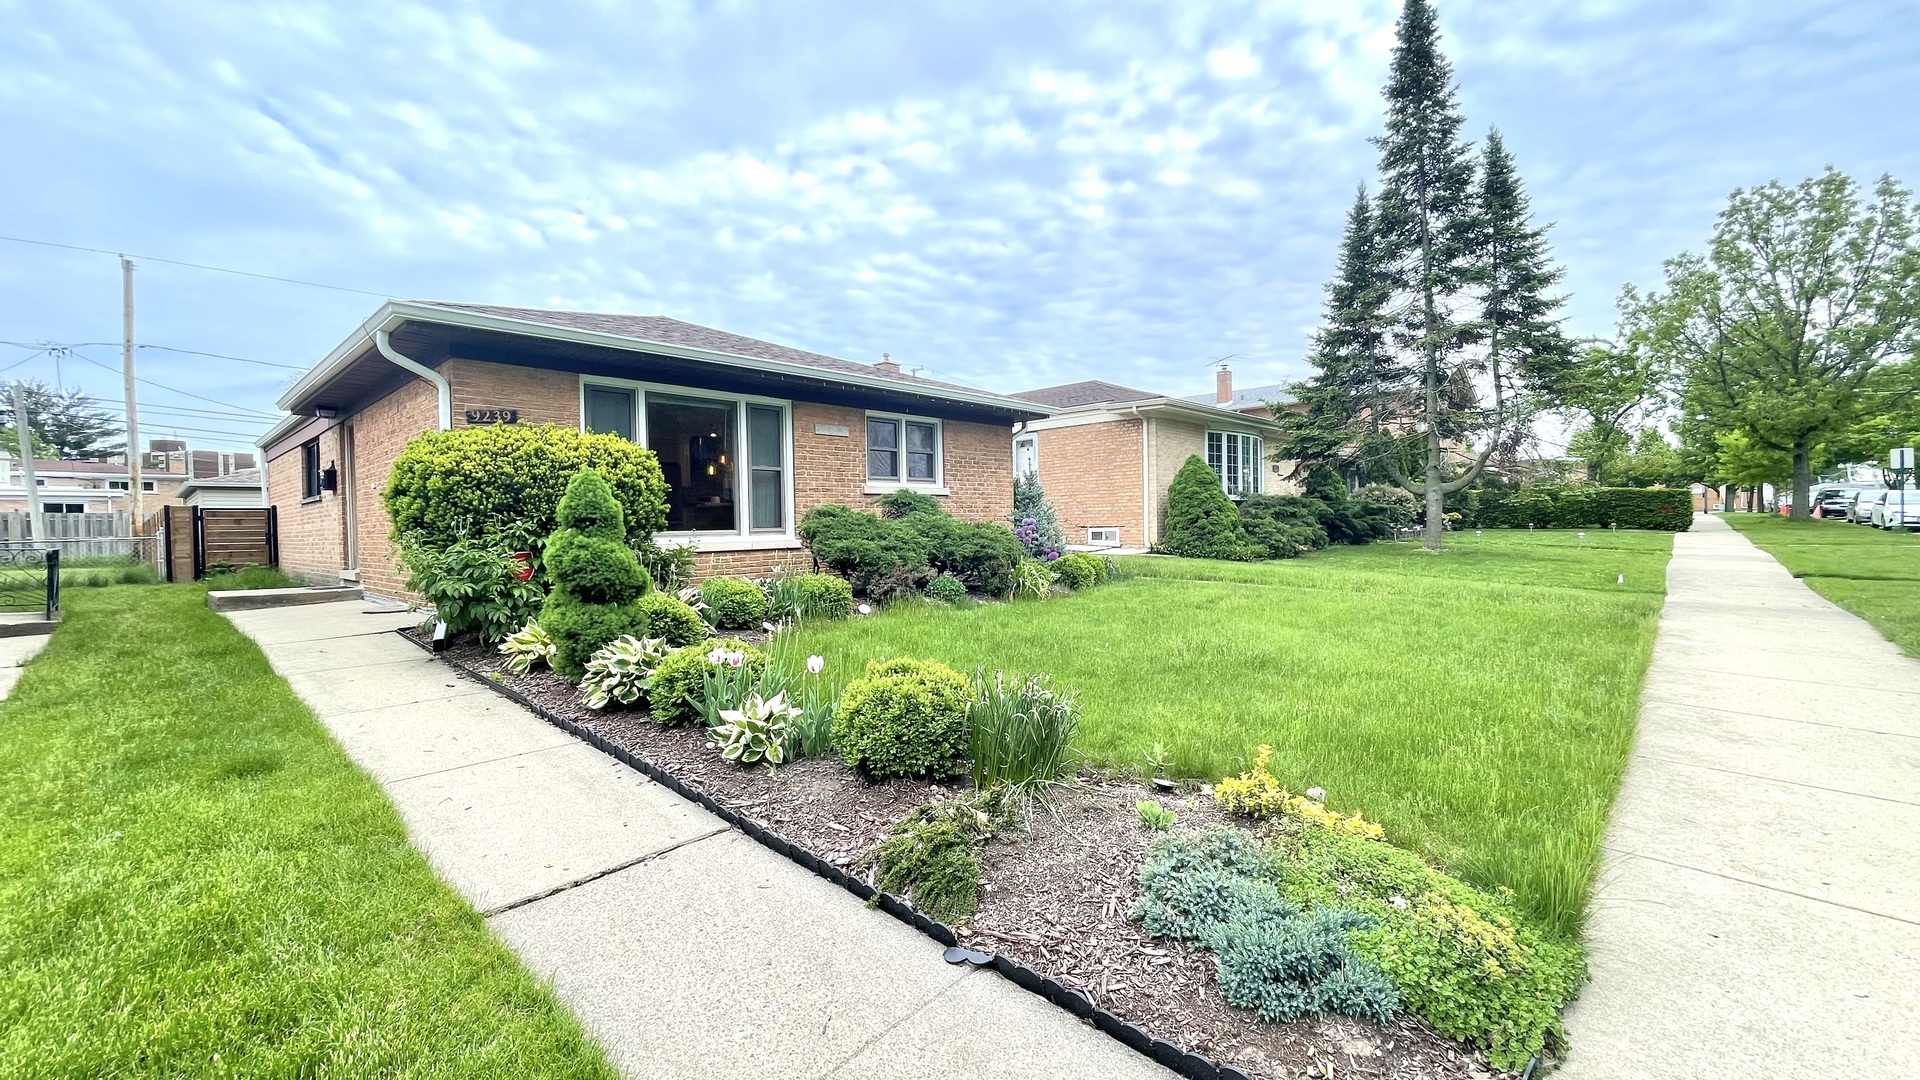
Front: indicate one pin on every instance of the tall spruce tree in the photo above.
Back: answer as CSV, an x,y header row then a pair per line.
x,y
1524,342
1351,359
66,424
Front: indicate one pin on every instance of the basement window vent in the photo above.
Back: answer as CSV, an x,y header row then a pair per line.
x,y
1103,536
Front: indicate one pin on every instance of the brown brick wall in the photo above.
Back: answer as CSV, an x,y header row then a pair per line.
x,y
312,534
380,432
1091,473
1172,443
542,396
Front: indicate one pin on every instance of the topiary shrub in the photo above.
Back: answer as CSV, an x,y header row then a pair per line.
x,y
904,718
1202,523
734,603
823,596
947,589
596,578
1081,570
506,481
679,681
671,620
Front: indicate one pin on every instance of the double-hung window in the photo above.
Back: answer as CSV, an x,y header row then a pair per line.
x,y
725,457
310,469
1237,459
903,450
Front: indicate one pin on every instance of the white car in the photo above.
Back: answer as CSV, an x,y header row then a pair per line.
x,y
1897,510
1861,513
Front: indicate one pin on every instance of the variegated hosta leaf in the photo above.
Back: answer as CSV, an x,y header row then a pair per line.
x,y
528,647
621,670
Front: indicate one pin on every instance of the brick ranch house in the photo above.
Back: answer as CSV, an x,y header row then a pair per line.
x,y
751,435
1108,453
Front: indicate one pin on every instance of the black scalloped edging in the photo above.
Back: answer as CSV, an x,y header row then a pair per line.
x,y
1192,1066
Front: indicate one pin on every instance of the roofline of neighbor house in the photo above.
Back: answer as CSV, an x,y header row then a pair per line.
x,y
1170,405
394,312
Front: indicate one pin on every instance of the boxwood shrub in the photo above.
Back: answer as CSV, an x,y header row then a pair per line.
x,y
734,603
823,596
904,718
1553,506
596,577
1081,570
506,480
674,696
671,619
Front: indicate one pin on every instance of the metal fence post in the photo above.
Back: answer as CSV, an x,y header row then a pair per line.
x,y
53,583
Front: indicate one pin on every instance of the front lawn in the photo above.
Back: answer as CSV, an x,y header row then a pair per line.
x,y
1479,703
1873,573
195,881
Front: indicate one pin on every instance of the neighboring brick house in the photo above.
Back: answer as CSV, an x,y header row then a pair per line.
x,y
1108,453
88,487
751,434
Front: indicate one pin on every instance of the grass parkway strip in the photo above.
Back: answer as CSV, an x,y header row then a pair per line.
x,y
1874,574
195,881
1479,703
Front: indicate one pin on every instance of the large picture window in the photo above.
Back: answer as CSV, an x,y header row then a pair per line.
x,y
1236,459
725,458
903,450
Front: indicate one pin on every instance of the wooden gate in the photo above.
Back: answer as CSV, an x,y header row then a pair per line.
x,y
200,537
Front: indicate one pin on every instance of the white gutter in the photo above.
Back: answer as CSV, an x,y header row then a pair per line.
x,y
438,380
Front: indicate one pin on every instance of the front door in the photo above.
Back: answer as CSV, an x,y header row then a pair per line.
x,y
1026,456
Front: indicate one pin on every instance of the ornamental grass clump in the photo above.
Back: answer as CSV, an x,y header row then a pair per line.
x,y
1257,794
596,578
1216,889
527,648
621,670
904,718
1022,731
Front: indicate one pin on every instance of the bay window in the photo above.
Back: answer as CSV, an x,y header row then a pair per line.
x,y
1238,460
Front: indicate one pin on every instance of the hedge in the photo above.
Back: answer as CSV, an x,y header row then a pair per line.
x,y
1550,506
504,481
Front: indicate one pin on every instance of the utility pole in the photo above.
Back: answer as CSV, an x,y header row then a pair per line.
x,y
25,430
133,410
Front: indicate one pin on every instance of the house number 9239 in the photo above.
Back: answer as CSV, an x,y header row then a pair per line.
x,y
493,416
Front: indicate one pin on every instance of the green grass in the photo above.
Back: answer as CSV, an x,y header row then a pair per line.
x,y
1871,572
196,882
251,577
1479,703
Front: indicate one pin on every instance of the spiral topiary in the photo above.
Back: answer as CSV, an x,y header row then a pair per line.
x,y
596,578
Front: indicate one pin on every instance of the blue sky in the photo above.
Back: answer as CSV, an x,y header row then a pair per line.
x,y
1005,194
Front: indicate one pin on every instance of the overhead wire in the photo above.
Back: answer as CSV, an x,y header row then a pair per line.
x,y
176,390
196,266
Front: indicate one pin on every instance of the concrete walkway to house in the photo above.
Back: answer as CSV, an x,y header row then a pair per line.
x,y
1759,910
686,949
14,654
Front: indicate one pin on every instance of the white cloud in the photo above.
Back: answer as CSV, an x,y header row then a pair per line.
x,y
1233,62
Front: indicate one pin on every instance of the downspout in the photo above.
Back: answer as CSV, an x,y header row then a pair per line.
x,y
1146,484
438,380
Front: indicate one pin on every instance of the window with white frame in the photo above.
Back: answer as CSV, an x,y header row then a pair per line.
x,y
1103,536
725,456
903,450
1236,458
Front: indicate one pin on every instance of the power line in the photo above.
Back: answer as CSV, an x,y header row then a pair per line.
x,y
47,346
202,414
196,266
173,390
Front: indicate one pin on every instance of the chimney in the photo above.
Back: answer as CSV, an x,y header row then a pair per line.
x,y
1223,385
886,363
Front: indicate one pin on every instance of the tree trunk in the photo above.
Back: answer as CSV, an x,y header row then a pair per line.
x,y
1802,478
1436,509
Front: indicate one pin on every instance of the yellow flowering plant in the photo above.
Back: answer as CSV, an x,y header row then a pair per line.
x,y
1258,794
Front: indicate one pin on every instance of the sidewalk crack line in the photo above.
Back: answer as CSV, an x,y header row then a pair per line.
x,y
513,905
1778,780
1769,888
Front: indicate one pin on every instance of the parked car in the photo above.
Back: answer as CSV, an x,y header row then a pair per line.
x,y
1837,502
1861,512
1898,510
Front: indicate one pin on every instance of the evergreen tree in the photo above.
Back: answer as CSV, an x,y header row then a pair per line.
x,y
1351,357
1202,523
1523,338
66,424
1034,521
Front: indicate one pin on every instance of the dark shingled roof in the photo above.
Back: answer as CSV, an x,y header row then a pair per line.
x,y
1091,392
664,331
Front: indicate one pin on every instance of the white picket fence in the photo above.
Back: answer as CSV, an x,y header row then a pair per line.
x,y
78,535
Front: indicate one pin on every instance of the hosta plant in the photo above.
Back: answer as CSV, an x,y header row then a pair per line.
x,y
622,670
757,732
527,648
729,680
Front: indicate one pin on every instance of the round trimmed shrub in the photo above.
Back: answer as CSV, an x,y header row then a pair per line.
x,y
947,589
671,619
675,692
823,596
734,603
596,569
1081,570
506,480
904,718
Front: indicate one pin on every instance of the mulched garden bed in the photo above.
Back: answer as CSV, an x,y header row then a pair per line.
x,y
1055,894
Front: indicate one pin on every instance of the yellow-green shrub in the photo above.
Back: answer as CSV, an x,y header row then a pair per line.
x,y
1257,794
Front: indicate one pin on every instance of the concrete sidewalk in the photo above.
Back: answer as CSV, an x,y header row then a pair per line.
x,y
687,949
1758,913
